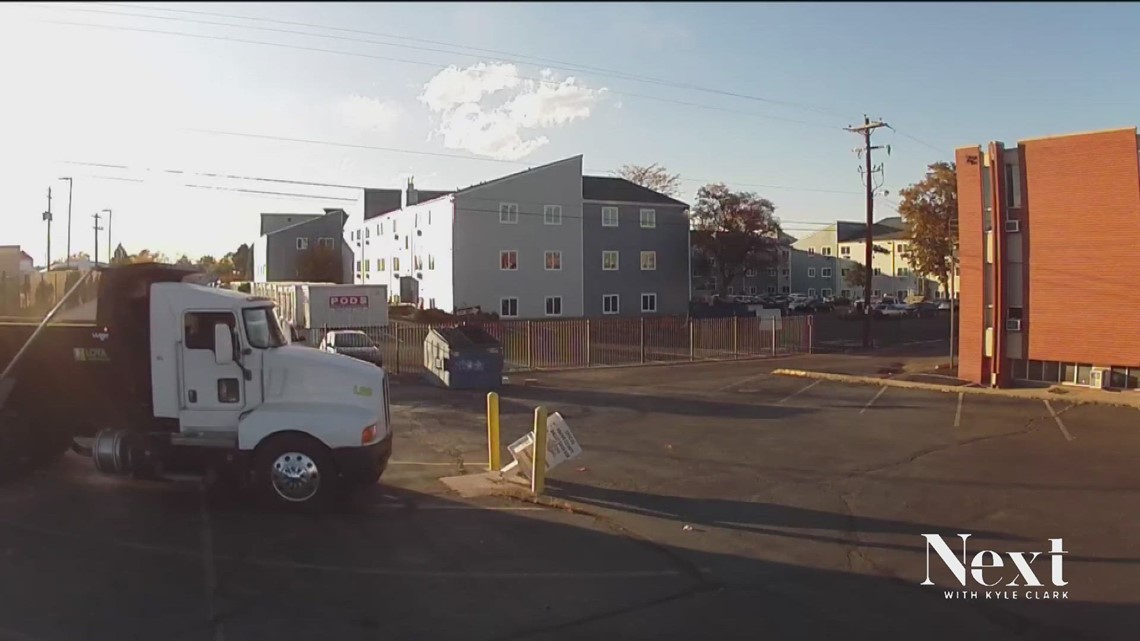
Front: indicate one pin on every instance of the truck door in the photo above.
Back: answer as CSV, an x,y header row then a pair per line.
x,y
213,395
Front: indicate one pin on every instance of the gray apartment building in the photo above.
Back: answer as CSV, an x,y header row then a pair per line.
x,y
636,247
285,237
530,245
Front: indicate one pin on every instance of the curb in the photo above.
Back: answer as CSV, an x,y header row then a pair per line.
x,y
1030,394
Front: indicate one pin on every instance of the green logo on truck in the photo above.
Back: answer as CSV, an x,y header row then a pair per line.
x,y
93,354
360,390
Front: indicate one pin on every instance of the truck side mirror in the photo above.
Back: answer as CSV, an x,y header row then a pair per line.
x,y
223,344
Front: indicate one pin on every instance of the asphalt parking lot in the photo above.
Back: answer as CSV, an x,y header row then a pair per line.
x,y
711,500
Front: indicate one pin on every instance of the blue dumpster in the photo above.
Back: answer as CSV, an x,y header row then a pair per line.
x,y
464,357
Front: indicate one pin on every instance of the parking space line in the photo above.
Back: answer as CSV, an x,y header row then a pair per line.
x,y
873,399
800,391
209,572
958,412
451,464
1048,406
746,379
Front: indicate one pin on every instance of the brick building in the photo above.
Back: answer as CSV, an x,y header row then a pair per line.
x,y
1048,234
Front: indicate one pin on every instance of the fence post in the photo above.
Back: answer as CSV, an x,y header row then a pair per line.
x,y
529,346
692,350
642,341
774,334
735,336
398,348
587,342
809,336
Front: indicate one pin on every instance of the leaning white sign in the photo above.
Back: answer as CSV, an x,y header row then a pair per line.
x,y
561,446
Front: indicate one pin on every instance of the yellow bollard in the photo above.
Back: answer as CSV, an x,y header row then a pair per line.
x,y
493,431
538,461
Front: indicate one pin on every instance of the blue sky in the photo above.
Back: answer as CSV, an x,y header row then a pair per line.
x,y
946,74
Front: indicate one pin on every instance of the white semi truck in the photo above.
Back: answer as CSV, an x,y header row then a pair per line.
x,y
173,378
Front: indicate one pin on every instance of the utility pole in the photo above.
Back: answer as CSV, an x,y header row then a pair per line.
x,y
109,251
97,230
865,130
70,184
47,219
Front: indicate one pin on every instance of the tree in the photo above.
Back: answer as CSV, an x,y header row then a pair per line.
x,y
320,264
856,278
929,208
147,256
653,177
734,232
242,261
184,261
208,263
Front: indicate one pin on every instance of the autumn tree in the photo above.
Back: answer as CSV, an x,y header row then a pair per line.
x,y
320,264
241,261
147,256
184,261
929,208
733,232
653,177
856,277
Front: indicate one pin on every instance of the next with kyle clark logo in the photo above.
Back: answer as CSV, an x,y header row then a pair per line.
x,y
1008,575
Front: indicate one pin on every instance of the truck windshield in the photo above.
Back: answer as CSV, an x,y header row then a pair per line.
x,y
261,328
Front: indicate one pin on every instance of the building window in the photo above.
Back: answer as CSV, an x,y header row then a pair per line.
x,y
878,293
648,218
367,265
811,250
845,250
358,265
900,247
752,290
609,216
610,304
784,289
552,215
811,291
553,305
395,263
901,294
845,293
902,271
729,290
811,272
431,262
508,213
649,302
417,263
826,251
431,301
648,261
878,272
366,232
825,272
380,264
772,272
553,262
609,260
784,272
1012,186
394,221
302,243
406,239
380,229
771,289
508,260
843,272
750,272
508,307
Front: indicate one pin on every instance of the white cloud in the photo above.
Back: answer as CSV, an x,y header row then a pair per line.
x,y
368,114
470,120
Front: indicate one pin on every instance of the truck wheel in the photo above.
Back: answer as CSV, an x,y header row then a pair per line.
x,y
295,472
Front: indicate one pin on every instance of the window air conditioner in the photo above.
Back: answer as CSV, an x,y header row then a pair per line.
x,y
1013,324
1012,226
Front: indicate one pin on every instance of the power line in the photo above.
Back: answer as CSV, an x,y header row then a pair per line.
x,y
918,140
400,60
526,59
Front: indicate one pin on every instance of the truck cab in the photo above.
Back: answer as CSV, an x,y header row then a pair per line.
x,y
202,379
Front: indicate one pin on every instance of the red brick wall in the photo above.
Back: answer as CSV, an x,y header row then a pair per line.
x,y
1083,218
970,257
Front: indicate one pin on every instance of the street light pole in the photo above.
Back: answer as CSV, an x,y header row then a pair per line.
x,y
70,184
47,219
97,230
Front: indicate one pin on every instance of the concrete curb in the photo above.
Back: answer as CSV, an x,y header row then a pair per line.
x,y
1024,394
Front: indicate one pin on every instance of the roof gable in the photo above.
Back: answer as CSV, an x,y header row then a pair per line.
x,y
613,188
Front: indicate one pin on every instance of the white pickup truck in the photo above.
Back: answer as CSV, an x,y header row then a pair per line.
x,y
174,378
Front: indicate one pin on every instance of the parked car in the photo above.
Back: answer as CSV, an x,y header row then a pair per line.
x,y
352,343
884,310
944,305
925,310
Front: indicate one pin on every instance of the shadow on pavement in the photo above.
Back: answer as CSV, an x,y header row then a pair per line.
x,y
116,560
655,404
761,518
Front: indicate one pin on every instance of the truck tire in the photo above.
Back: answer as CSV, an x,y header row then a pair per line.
x,y
294,472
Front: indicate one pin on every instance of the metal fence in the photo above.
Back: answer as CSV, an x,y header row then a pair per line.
x,y
599,342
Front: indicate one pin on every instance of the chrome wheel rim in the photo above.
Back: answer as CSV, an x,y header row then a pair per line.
x,y
295,477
